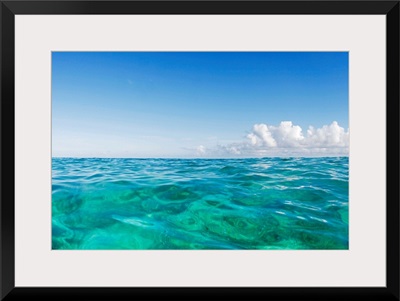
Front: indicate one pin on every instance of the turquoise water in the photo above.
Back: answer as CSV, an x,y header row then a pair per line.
x,y
267,203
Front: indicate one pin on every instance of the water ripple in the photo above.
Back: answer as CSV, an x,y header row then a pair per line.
x,y
265,203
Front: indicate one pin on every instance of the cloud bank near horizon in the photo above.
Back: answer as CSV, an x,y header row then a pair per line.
x,y
286,139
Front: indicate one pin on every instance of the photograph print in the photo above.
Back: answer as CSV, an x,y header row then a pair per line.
x,y
200,151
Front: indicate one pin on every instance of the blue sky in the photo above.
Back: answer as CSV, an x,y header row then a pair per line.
x,y
195,104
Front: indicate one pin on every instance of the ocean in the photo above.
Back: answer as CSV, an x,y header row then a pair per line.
x,y
200,204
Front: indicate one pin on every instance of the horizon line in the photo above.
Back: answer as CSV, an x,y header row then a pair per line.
x,y
191,158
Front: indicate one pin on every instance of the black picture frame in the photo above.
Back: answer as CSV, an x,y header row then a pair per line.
x,y
11,8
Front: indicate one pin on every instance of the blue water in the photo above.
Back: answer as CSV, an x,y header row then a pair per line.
x,y
260,203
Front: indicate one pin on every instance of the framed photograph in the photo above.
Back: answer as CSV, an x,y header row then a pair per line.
x,y
200,149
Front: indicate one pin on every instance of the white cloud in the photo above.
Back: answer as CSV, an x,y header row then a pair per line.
x,y
286,139
328,136
201,150
284,135
261,136
287,134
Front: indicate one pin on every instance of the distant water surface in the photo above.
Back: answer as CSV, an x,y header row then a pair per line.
x,y
258,203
